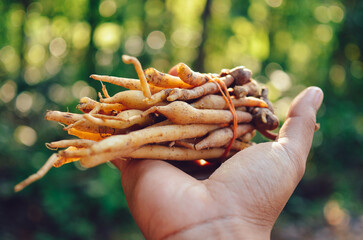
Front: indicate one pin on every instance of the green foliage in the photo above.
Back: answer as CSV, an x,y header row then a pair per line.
x,y
48,49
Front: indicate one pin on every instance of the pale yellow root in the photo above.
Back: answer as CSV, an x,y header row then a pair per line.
x,y
164,80
158,152
38,175
190,77
61,160
182,113
240,74
239,91
104,90
87,135
243,109
223,136
129,83
187,143
248,136
96,109
87,104
79,143
253,88
218,102
159,97
264,119
238,145
120,123
162,123
85,126
140,73
197,92
175,153
133,99
122,145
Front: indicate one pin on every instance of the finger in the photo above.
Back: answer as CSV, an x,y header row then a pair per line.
x,y
297,132
154,180
119,163
173,71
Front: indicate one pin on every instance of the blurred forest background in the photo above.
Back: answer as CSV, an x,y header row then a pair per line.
x,y
48,49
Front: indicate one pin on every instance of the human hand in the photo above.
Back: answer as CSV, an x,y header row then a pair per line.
x,y
240,200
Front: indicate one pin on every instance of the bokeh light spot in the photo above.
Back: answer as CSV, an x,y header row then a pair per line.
x,y
8,91
53,65
156,40
108,36
184,37
280,80
257,11
271,67
282,107
104,58
81,89
17,17
337,75
356,69
299,53
336,13
324,33
10,59
335,215
352,51
274,3
58,47
36,55
24,102
57,93
107,8
134,45
81,35
25,135
154,8
321,13
220,7
32,75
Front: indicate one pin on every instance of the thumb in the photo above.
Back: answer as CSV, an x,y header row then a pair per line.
x,y
296,134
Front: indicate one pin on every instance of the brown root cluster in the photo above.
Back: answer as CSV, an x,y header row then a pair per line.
x,y
186,117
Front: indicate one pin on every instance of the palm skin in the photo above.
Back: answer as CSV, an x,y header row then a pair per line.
x,y
241,200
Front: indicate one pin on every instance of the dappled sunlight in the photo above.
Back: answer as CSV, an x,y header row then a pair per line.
x,y
48,50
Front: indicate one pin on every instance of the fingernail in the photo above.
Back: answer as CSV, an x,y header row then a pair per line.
x,y
318,97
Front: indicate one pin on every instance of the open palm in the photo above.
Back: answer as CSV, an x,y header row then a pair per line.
x,y
241,199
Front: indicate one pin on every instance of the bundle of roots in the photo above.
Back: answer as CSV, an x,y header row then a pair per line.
x,y
186,117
